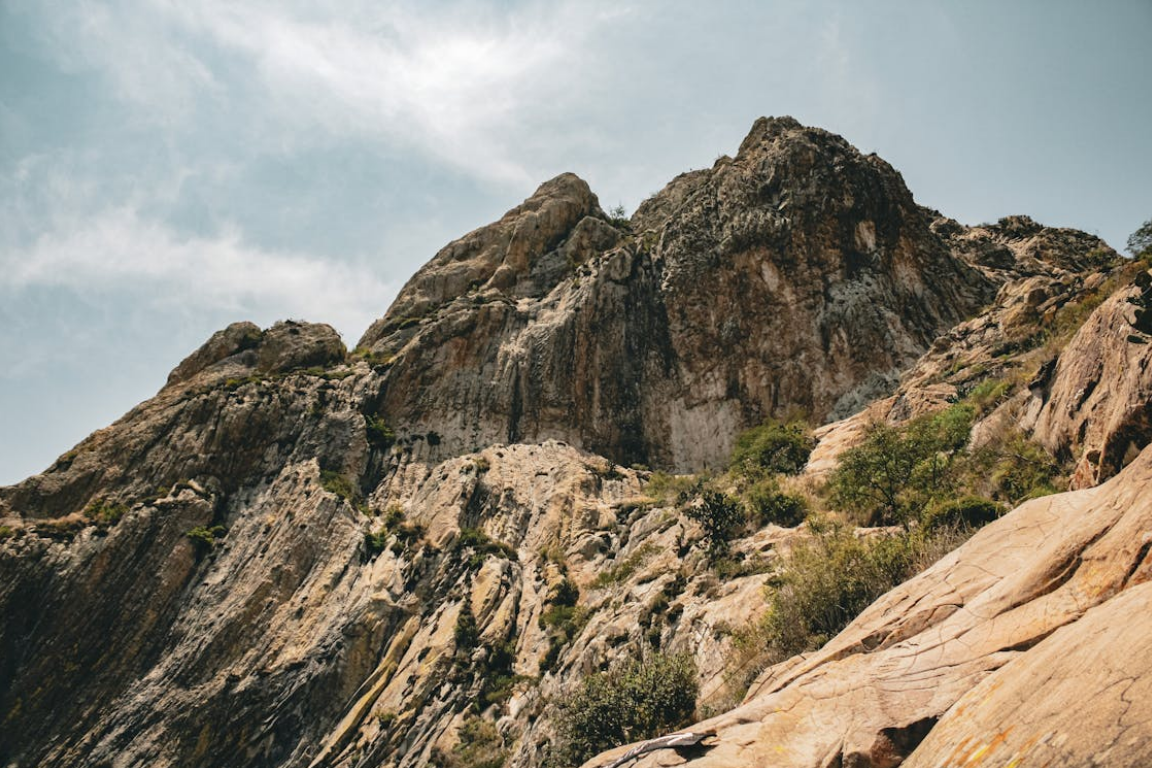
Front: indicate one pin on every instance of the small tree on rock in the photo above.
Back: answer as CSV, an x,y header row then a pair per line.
x,y
1140,241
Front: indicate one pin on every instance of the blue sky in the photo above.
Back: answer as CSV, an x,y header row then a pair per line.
x,y
167,168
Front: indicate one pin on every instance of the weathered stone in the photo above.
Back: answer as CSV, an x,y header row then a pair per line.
x,y
344,513
223,344
807,263
1011,337
1003,642
1098,409
1082,696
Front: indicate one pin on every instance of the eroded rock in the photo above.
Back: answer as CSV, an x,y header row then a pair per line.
x,y
1000,642
807,263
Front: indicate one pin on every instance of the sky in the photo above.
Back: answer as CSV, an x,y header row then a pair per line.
x,y
167,168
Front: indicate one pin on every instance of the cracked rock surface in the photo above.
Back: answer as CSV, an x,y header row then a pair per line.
x,y
992,653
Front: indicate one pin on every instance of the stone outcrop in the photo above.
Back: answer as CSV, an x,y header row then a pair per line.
x,y
271,561
1098,406
288,642
223,414
1043,338
1022,648
807,263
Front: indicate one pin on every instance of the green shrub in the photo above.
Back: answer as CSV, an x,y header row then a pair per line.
x,y
403,535
605,471
624,569
481,546
561,616
236,383
896,471
338,484
988,394
665,488
105,513
721,518
375,543
378,433
564,593
1011,469
618,217
965,512
374,359
1071,316
772,448
766,503
466,634
1024,470
497,676
1140,242
827,581
6,532
562,619
479,746
563,623
204,539
632,701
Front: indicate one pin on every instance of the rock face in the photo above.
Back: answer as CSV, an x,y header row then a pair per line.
x,y
1007,650
292,556
221,415
807,263
289,642
1098,407
1065,366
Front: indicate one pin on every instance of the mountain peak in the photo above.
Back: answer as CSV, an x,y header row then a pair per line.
x,y
413,555
771,128
808,263
500,257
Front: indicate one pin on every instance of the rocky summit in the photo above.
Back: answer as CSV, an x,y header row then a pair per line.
x,y
786,469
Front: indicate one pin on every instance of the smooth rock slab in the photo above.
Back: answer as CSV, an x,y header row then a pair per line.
x,y
981,626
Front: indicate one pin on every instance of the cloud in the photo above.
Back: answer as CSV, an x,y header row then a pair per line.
x,y
119,253
456,83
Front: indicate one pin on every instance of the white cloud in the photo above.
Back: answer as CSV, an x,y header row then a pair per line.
x,y
134,47
118,253
458,84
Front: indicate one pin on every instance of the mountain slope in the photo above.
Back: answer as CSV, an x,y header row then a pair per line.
x,y
807,263
296,556
1001,643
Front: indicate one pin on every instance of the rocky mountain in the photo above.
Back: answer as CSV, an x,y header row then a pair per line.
x,y
809,264
408,554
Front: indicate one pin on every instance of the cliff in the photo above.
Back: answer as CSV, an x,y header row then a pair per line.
x,y
807,263
294,555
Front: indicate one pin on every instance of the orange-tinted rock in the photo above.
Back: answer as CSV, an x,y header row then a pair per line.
x,y
1099,405
1009,643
